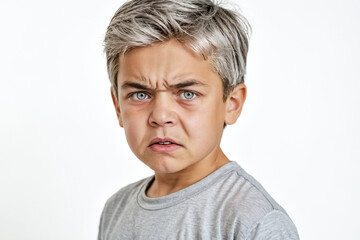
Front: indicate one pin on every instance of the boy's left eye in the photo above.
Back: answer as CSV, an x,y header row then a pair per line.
x,y
188,95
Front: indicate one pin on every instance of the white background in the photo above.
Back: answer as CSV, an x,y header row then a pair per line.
x,y
63,154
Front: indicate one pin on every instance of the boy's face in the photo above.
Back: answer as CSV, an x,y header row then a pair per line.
x,y
171,107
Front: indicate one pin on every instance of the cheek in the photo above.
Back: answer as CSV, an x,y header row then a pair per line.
x,y
209,112
131,135
133,127
204,133
205,122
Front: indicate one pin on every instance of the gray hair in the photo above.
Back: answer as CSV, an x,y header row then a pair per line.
x,y
203,26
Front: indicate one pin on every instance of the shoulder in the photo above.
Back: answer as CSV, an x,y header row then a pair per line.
x,y
125,194
254,209
247,194
116,204
276,225
255,191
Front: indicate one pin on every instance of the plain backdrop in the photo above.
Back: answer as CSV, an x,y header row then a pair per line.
x,y
63,154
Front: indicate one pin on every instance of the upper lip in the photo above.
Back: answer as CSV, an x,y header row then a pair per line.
x,y
159,140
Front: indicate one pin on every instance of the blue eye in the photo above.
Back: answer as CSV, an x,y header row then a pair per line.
x,y
140,96
187,95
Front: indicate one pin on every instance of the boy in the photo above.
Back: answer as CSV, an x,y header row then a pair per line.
x,y
177,73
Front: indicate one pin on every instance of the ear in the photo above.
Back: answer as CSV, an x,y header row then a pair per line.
x,y
235,103
117,107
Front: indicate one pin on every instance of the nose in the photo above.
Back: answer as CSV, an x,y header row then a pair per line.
x,y
162,112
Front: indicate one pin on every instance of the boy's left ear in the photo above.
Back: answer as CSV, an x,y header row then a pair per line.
x,y
235,103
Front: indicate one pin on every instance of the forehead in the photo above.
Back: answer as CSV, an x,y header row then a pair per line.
x,y
169,61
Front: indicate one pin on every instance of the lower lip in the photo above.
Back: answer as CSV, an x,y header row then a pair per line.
x,y
164,148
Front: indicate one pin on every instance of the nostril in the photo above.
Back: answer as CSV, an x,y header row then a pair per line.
x,y
154,123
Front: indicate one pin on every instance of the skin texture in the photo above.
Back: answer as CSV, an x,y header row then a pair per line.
x,y
167,91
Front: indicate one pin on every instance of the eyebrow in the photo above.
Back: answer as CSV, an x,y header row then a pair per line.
x,y
134,85
187,83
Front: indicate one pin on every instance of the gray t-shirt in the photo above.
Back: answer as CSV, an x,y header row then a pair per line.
x,y
227,204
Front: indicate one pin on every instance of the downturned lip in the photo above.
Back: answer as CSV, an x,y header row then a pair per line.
x,y
159,140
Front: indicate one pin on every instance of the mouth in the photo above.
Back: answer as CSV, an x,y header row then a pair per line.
x,y
164,145
163,142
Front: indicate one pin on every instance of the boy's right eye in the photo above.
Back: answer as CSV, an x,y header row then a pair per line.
x,y
139,96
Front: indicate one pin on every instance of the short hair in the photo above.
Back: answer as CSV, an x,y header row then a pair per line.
x,y
211,31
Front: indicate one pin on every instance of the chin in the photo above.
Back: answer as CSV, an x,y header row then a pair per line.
x,y
165,166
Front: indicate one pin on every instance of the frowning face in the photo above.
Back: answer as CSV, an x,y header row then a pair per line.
x,y
170,104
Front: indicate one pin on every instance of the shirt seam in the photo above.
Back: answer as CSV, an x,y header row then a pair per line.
x,y
255,225
259,190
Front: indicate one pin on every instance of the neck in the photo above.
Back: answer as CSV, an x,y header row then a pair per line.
x,y
167,183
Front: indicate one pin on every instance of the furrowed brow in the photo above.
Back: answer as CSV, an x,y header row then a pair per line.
x,y
187,83
126,85
180,85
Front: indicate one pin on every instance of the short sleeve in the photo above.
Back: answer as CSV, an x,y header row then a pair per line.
x,y
276,225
